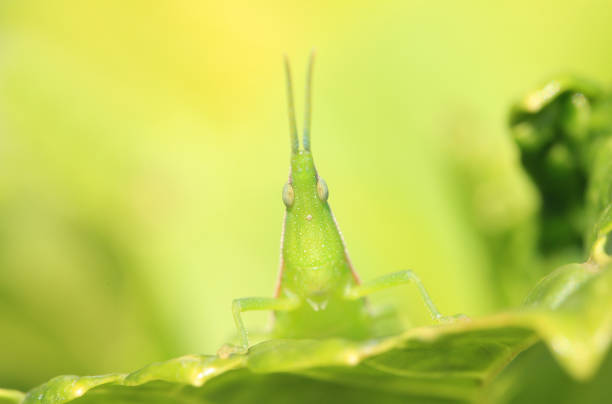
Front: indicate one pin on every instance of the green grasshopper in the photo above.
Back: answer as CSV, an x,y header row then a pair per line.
x,y
318,293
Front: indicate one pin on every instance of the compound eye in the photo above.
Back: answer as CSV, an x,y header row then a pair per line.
x,y
288,195
322,189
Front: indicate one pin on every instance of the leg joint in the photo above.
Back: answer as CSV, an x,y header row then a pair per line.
x,y
237,306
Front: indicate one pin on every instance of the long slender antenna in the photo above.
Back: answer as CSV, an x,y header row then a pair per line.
x,y
307,108
295,143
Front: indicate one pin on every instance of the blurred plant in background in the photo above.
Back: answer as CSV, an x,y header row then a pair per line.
x,y
143,148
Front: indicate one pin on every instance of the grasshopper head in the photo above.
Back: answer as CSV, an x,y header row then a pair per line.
x,y
305,193
313,250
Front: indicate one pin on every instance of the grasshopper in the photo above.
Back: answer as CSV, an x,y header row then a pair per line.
x,y
318,293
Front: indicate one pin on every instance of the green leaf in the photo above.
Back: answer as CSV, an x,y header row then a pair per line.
x,y
10,396
573,315
535,377
564,132
570,310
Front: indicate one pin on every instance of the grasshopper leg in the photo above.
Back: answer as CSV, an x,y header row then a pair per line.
x,y
397,279
250,304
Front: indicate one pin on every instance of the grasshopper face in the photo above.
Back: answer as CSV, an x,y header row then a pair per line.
x,y
313,250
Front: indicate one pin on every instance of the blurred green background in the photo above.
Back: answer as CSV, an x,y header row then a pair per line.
x,y
144,145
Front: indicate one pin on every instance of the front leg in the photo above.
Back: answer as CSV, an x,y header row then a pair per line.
x,y
396,279
249,304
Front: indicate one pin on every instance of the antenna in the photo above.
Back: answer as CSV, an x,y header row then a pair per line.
x,y
295,143
307,108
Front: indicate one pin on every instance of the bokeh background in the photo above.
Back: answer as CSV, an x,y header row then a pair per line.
x,y
144,145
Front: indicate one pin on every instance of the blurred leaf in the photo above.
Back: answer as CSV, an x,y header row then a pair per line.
x,y
563,131
10,396
501,205
574,315
534,377
571,310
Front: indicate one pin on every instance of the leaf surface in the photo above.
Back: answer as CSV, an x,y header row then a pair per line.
x,y
570,310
